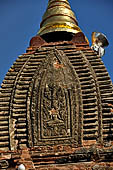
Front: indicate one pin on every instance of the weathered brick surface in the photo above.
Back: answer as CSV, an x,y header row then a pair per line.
x,y
60,121
79,166
101,158
94,95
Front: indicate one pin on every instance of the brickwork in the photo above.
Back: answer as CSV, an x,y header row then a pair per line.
x,y
59,158
56,101
85,97
93,99
80,166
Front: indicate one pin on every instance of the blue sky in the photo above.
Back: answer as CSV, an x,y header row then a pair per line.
x,y
20,21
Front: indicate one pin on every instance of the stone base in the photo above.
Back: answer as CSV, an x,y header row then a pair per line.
x,y
59,158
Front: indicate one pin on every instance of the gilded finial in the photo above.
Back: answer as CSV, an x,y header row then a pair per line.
x,y
58,17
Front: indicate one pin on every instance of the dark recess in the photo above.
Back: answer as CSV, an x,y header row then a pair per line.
x,y
58,36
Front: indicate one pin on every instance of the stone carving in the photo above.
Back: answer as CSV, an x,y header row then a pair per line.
x,y
54,118
54,114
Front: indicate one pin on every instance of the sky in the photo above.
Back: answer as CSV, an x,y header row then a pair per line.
x,y
20,21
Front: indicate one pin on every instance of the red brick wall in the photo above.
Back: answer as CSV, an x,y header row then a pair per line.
x,y
79,166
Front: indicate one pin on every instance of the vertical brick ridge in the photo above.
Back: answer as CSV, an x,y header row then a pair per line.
x,y
12,120
20,97
106,94
99,103
5,99
88,93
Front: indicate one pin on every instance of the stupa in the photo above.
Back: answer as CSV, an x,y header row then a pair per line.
x,y
56,101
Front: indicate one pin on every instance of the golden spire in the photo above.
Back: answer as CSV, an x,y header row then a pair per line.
x,y
58,17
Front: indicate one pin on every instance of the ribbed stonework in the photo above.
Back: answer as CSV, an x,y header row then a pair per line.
x,y
56,95
56,108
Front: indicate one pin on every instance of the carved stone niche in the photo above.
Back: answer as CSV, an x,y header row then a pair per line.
x,y
54,103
